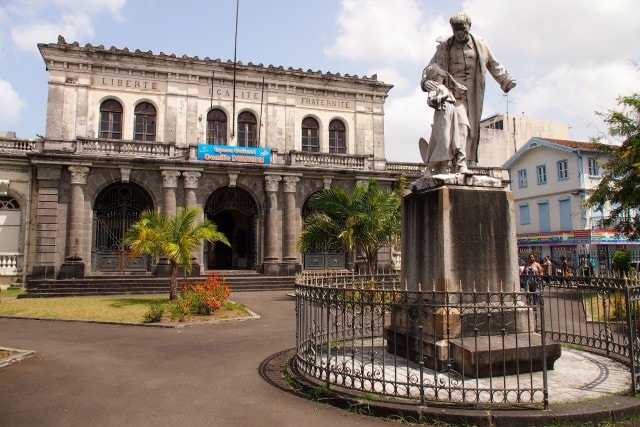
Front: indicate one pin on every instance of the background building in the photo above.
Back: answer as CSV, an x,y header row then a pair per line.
x,y
130,130
502,135
550,180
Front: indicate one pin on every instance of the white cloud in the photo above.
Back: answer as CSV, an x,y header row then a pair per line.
x,y
396,77
570,58
36,21
574,94
379,30
547,33
11,106
72,27
407,118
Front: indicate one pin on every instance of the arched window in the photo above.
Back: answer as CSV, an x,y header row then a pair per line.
x,y
110,120
217,127
247,130
145,122
310,140
337,137
9,204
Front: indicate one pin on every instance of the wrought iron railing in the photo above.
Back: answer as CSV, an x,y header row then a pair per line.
x,y
601,314
370,335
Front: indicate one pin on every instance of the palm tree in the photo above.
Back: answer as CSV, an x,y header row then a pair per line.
x,y
360,224
175,237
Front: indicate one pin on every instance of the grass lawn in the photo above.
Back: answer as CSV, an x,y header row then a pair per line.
x,y
126,308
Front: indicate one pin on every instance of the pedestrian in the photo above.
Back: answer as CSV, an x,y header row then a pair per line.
x,y
547,269
530,279
564,267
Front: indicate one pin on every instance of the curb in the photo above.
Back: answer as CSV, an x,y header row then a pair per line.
x,y
173,325
16,356
610,409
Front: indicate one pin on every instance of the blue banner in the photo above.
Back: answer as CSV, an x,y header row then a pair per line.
x,y
234,154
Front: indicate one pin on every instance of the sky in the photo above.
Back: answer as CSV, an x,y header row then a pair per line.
x,y
571,58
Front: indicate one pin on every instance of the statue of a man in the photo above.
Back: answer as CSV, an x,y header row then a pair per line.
x,y
455,81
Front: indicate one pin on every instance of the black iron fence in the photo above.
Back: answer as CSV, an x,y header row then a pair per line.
x,y
370,335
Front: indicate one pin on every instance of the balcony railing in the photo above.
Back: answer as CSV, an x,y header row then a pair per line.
x,y
325,160
126,148
10,263
168,150
11,145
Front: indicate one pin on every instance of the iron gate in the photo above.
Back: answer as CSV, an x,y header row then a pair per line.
x,y
116,208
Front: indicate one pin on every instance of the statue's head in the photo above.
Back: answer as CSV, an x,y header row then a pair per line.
x,y
460,24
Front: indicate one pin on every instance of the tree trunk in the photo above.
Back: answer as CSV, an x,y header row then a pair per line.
x,y
173,281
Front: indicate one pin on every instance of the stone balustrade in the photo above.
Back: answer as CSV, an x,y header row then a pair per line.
x,y
342,161
405,168
9,263
14,145
126,148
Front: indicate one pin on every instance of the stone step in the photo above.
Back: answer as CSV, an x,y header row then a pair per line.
x,y
239,282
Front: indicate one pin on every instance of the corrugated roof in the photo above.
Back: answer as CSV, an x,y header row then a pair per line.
x,y
573,144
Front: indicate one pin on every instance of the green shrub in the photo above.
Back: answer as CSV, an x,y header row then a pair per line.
x,y
178,310
621,261
156,310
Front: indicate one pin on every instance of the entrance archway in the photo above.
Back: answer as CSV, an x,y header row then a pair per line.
x,y
235,213
116,208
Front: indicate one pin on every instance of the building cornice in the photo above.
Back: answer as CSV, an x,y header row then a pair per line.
x,y
62,55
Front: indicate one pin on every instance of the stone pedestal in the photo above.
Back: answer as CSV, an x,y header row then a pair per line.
x,y
290,268
72,268
461,239
271,268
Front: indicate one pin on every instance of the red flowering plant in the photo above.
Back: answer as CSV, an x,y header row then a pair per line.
x,y
201,298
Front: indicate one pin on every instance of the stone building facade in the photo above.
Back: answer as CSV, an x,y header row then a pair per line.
x,y
248,144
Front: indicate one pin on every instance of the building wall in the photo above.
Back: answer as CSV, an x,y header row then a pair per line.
x,y
584,242
66,171
501,136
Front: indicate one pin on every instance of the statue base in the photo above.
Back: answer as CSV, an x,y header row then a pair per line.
x,y
475,357
459,237
460,258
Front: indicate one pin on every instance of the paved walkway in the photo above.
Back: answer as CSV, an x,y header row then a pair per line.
x,y
108,375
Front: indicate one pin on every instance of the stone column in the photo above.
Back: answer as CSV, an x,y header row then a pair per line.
x,y
270,264
191,200
290,226
73,265
170,183
190,187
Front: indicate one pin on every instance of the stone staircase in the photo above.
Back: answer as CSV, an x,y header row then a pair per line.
x,y
239,281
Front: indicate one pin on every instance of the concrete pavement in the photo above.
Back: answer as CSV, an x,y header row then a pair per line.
x,y
110,375
115,375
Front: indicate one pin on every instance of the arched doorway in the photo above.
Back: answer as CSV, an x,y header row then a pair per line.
x,y
116,208
235,213
321,257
